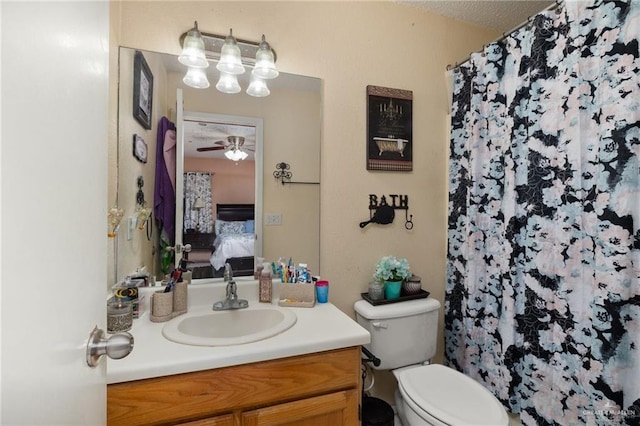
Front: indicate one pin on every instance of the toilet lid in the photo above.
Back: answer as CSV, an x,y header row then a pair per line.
x,y
450,396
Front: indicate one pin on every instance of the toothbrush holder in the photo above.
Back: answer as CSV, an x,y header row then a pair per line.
x,y
161,306
179,299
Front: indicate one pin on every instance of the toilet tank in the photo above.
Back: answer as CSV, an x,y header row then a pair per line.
x,y
402,333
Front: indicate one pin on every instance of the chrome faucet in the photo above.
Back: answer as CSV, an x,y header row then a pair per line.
x,y
231,301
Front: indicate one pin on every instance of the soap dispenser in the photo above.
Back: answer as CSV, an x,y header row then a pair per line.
x,y
265,285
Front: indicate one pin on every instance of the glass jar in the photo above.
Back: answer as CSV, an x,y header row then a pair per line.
x,y
119,316
376,290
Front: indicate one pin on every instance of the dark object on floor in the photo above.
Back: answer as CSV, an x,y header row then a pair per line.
x,y
376,412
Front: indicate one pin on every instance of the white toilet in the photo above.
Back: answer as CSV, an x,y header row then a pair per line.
x,y
404,337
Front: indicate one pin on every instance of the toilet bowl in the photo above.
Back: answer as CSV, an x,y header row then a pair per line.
x,y
404,338
437,395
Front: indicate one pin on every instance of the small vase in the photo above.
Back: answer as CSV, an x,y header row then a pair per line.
x,y
412,286
392,289
376,290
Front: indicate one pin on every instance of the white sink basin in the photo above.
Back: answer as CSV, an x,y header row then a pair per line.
x,y
205,327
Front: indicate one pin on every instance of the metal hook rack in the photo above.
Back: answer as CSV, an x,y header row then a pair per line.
x,y
398,202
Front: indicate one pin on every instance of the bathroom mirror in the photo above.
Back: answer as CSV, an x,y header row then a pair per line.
x,y
291,119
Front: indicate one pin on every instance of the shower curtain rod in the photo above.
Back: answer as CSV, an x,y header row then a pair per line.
x,y
553,6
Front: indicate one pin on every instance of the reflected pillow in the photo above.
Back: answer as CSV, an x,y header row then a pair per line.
x,y
226,227
249,226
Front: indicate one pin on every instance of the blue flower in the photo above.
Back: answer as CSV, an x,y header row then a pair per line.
x,y
390,268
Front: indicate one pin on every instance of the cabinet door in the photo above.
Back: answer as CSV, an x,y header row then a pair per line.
x,y
335,409
213,421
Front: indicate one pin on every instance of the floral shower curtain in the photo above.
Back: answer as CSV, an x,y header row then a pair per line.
x,y
198,185
543,267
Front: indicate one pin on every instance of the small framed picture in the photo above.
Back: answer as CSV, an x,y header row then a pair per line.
x,y
142,90
389,129
139,148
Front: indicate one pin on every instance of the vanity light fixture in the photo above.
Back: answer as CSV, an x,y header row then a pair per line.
x,y
232,56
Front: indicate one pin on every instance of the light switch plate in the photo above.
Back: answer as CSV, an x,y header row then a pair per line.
x,y
273,219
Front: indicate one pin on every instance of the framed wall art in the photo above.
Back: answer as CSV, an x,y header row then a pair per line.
x,y
142,90
389,129
139,148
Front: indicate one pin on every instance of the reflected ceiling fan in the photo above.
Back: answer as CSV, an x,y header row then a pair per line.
x,y
234,146
232,143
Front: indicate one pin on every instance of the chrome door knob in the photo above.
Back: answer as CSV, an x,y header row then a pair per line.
x,y
115,347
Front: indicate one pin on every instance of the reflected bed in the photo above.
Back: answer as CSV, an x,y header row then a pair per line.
x,y
233,241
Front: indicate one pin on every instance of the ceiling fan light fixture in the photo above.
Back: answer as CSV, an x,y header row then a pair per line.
x,y
230,57
196,78
235,154
192,54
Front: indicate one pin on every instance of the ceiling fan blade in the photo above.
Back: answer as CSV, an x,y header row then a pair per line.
x,y
210,148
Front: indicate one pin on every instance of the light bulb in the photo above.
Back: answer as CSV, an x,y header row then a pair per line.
x,y
230,61
228,83
192,54
196,78
265,67
257,87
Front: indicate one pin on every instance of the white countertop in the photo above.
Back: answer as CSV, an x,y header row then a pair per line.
x,y
321,328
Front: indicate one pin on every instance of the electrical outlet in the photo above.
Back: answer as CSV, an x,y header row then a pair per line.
x,y
273,219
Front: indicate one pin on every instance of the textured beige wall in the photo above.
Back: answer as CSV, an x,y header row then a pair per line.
x,y
137,251
231,182
350,45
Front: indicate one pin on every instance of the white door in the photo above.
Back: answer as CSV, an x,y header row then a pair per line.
x,y
53,190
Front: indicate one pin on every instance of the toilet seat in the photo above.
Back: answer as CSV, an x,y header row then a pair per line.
x,y
442,393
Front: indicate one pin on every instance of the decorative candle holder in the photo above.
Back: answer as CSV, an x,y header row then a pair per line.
x,y
119,316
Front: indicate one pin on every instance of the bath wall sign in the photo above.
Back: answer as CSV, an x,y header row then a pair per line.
x,y
389,129
382,210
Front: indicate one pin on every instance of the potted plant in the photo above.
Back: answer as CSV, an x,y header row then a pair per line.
x,y
392,272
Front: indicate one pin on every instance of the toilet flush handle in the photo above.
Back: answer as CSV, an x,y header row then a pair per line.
x,y
379,324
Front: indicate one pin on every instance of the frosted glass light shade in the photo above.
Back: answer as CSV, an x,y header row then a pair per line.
x,y
230,59
192,54
228,83
196,78
265,67
258,87
236,155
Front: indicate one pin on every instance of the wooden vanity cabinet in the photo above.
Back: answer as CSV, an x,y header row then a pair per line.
x,y
319,389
